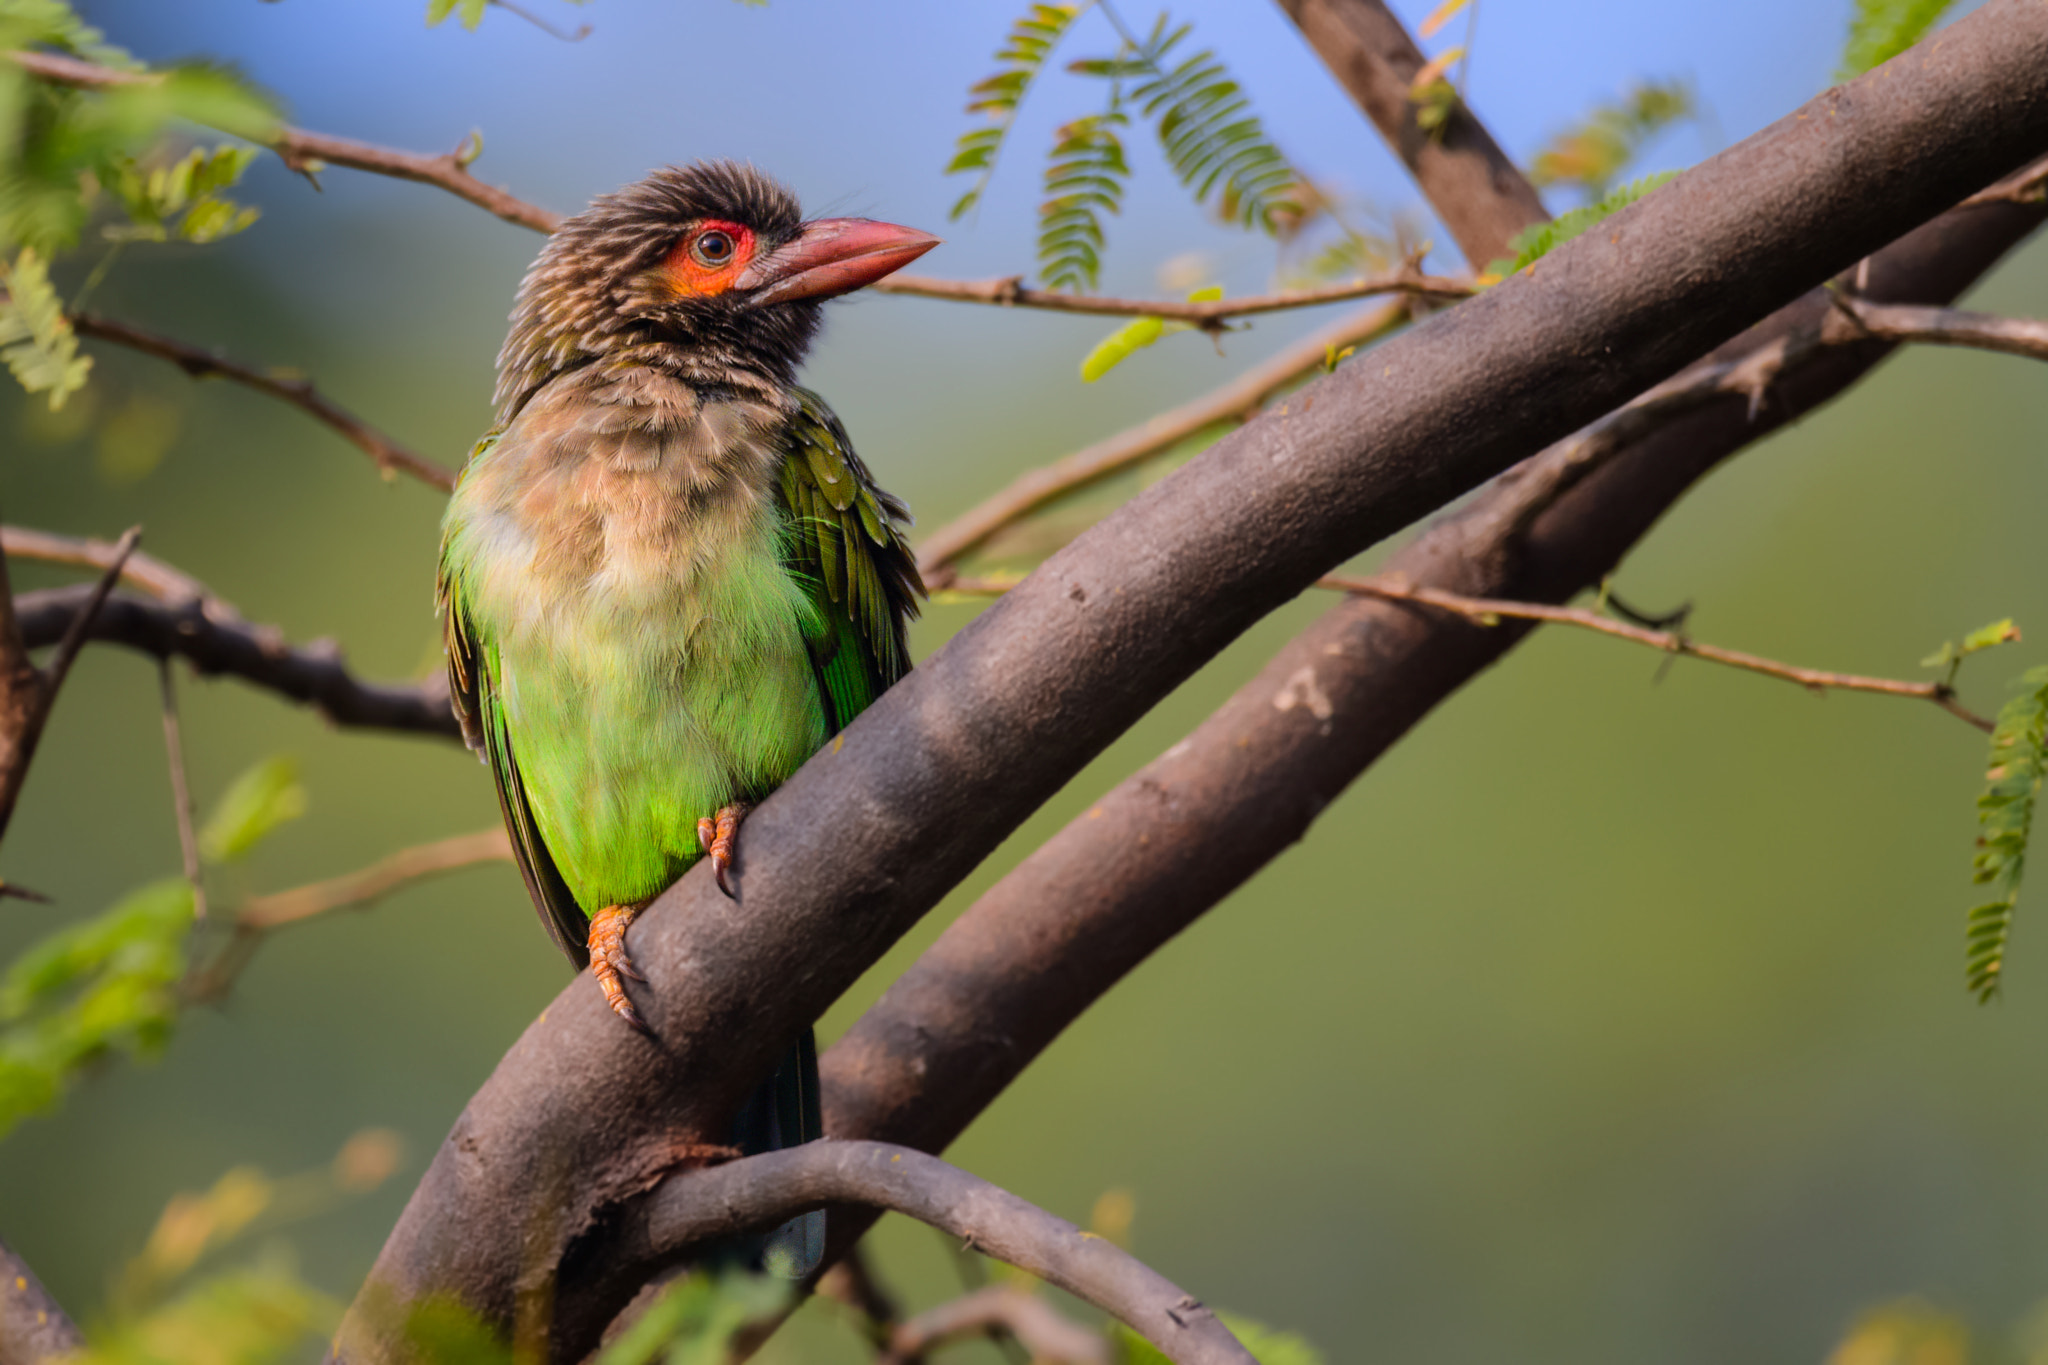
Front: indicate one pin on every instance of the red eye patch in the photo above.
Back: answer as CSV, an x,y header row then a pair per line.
x,y
709,257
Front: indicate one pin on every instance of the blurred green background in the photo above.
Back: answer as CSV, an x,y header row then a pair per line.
x,y
1607,1019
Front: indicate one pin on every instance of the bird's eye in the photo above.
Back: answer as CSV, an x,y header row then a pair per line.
x,y
712,249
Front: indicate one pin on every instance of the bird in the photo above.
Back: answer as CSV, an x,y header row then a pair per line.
x,y
665,578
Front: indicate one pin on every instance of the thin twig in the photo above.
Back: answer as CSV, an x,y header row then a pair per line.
x,y
693,1207
390,457
1049,1338
181,789
74,637
1235,401
30,695
314,674
371,884
1487,611
260,915
1010,292
152,575
852,1281
307,152
1942,326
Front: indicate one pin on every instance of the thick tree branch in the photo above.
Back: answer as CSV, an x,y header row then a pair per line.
x,y
1237,401
1475,189
314,674
391,458
1011,292
689,1209
33,1329
585,1115
1182,833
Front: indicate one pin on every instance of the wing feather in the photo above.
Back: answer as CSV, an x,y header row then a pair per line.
x,y
846,545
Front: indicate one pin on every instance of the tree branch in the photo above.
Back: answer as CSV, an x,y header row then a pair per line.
x,y
1033,952
152,575
1037,1325
181,788
260,915
1237,400
1011,292
307,152
1475,189
1942,327
1489,611
391,458
25,706
33,1329
585,1115
689,1209
313,675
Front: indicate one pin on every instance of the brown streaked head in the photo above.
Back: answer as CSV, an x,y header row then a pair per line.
x,y
707,270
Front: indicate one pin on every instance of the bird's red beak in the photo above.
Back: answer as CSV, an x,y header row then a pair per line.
x,y
832,256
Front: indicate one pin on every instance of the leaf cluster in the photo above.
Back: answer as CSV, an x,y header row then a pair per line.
x,y
2005,822
1533,243
1593,153
110,985
1202,117
1880,30
1031,39
62,148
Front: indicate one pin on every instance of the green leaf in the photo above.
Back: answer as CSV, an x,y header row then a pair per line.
x,y
1135,335
1212,139
36,340
1594,152
108,984
1268,1345
1084,179
253,1316
470,12
695,1319
1031,39
261,799
1532,244
2005,822
1880,30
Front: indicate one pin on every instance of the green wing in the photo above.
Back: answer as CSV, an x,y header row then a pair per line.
x,y
846,545
473,694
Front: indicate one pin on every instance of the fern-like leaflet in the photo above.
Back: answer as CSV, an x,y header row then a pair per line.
x,y
1030,41
1211,137
1600,146
1532,244
2005,820
1084,178
1880,30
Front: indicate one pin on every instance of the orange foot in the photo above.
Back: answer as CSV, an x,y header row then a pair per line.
x,y
608,961
717,835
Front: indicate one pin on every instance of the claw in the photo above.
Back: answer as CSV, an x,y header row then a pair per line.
x,y
717,836
608,962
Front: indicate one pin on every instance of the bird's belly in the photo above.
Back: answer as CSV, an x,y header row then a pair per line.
x,y
632,718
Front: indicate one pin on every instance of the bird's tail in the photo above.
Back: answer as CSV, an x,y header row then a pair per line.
x,y
784,1111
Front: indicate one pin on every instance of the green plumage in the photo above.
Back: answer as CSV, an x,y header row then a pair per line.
x,y
656,609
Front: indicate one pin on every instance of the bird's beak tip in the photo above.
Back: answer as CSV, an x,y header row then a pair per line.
x,y
835,256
